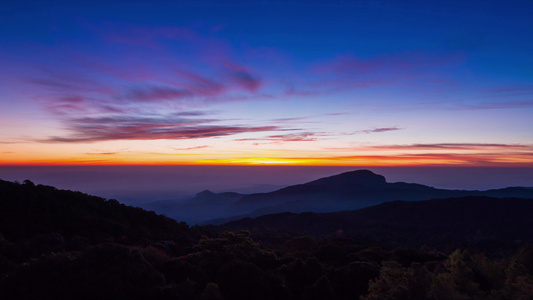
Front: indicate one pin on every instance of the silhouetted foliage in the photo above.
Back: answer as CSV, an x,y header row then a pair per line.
x,y
58,244
499,226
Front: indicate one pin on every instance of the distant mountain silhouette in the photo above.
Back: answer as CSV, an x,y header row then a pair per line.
x,y
353,190
346,191
209,198
203,206
474,222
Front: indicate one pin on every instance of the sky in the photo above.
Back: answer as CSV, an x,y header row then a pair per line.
x,y
316,83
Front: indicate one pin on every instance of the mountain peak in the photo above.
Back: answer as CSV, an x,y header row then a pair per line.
x,y
357,177
204,194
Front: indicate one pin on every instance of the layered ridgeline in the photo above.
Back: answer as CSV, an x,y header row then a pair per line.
x,y
346,191
205,205
57,244
493,225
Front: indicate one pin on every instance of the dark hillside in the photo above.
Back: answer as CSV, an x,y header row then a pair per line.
x,y
203,206
354,190
57,244
27,210
471,222
345,191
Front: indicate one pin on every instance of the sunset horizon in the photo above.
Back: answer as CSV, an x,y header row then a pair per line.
x,y
266,149
259,83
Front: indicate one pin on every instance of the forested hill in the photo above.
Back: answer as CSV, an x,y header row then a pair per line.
x,y
27,210
57,244
484,223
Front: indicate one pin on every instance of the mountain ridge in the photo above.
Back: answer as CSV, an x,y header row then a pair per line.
x,y
356,189
60,244
476,222
344,191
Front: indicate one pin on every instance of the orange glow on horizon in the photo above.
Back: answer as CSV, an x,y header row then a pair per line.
x,y
355,161
29,155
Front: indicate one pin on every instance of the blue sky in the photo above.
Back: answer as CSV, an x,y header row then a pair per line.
x,y
347,83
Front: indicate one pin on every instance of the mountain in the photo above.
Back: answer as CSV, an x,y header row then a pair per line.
x,y
475,222
58,244
203,206
352,190
346,191
28,209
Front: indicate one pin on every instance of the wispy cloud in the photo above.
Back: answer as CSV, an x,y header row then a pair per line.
x,y
483,154
440,147
289,119
157,93
338,114
190,148
8,142
101,153
147,97
149,75
494,105
186,89
243,77
292,137
145,36
449,146
476,158
376,130
508,90
198,84
292,91
349,71
91,129
68,82
446,158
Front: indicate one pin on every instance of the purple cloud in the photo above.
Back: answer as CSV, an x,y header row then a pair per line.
x,y
69,105
158,93
190,148
481,159
377,130
292,137
292,91
283,120
199,85
242,76
348,71
146,80
69,83
449,146
495,105
146,36
526,89
349,65
91,129
338,114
